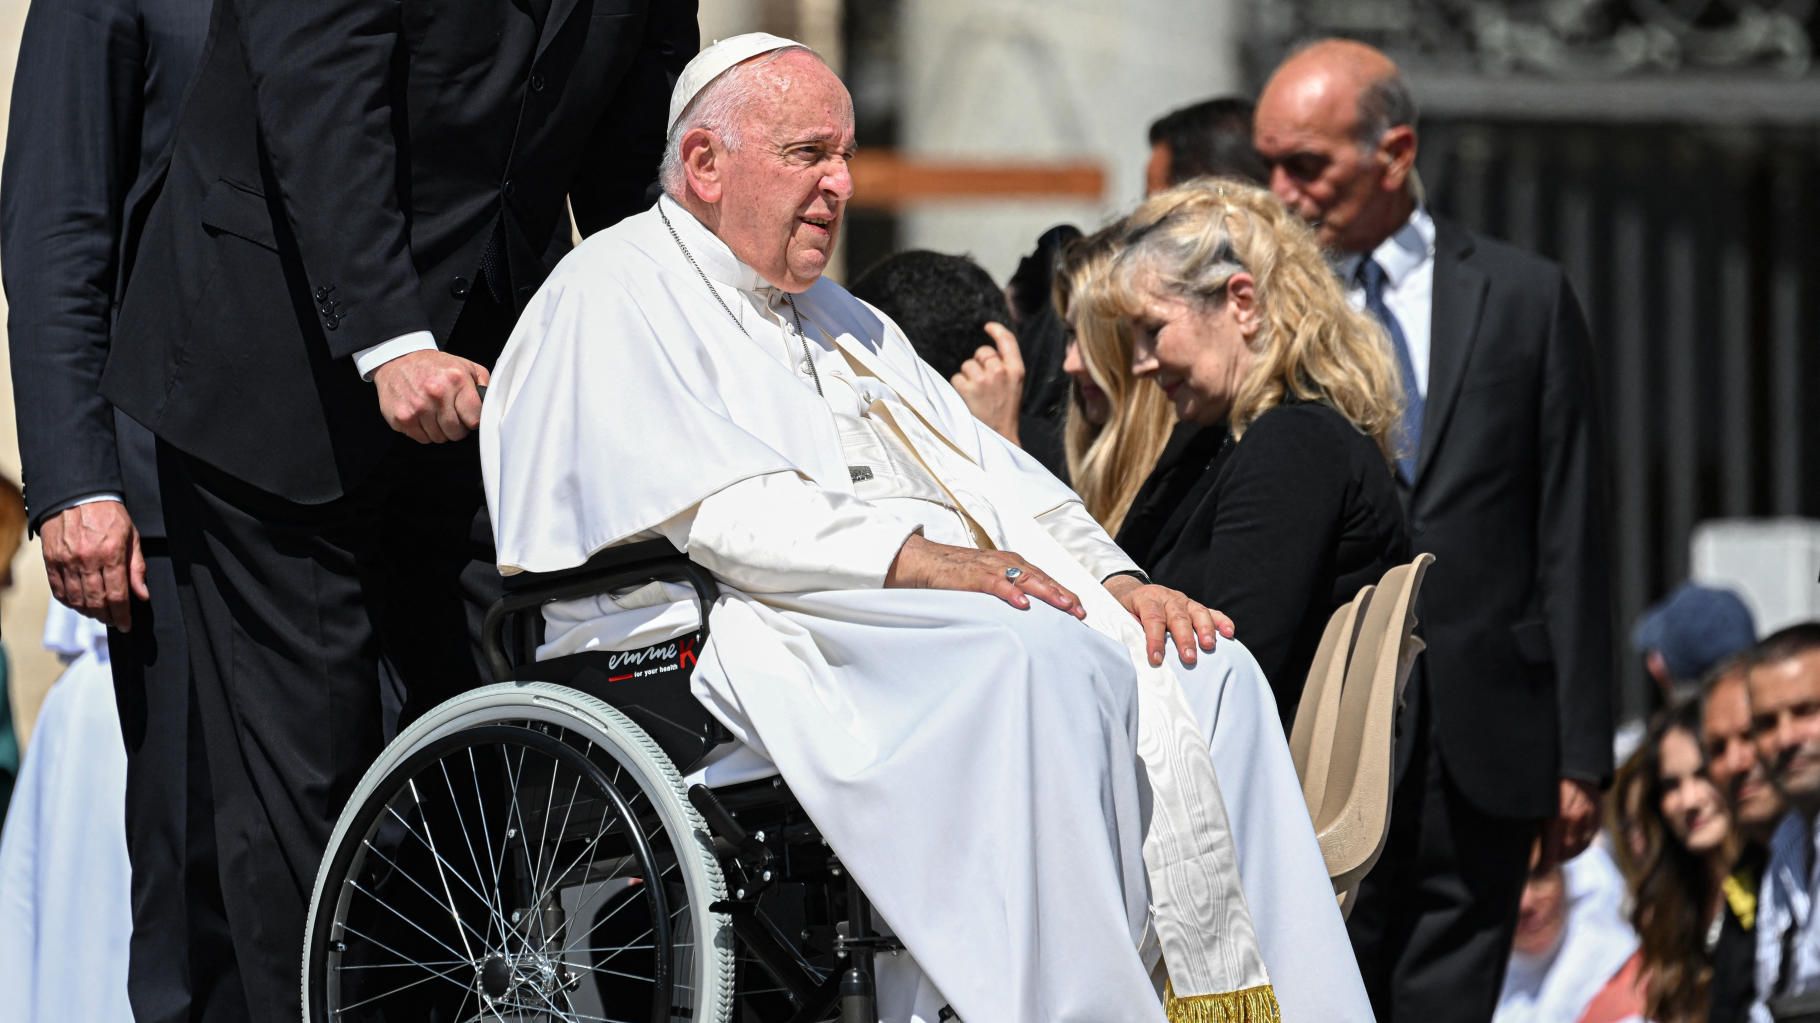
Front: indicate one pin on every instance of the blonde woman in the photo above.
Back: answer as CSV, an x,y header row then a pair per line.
x,y
1117,425
1282,504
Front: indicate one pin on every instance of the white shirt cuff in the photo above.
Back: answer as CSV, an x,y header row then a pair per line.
x,y
368,360
89,499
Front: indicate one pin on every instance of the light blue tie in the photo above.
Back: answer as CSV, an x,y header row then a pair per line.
x,y
1409,433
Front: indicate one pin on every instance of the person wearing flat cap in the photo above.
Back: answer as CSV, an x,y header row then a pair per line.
x,y
1064,789
358,200
1688,633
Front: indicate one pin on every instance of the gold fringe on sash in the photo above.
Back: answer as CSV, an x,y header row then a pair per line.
x,y
1250,1005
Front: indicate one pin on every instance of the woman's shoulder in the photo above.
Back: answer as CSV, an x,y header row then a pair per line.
x,y
1304,426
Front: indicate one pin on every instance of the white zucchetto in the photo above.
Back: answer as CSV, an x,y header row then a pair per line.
x,y
714,61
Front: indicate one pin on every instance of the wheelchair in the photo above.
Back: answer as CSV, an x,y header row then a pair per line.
x,y
530,851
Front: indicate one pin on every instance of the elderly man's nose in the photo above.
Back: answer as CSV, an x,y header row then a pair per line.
x,y
839,181
1283,185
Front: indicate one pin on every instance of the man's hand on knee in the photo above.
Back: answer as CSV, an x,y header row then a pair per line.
x,y
92,556
1163,611
926,565
429,396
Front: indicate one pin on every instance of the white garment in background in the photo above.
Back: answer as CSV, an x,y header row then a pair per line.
x,y
1596,942
963,750
1786,917
65,899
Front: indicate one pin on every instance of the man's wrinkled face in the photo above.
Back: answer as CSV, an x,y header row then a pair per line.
x,y
786,186
1785,718
1732,759
1306,131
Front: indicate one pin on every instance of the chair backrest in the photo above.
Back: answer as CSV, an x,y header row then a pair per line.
x,y
1318,712
1355,809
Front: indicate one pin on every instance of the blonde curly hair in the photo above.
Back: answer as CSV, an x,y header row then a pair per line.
x,y
1311,345
1107,464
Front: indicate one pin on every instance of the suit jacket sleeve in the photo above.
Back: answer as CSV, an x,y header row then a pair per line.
x,y
1574,577
616,176
322,79
71,151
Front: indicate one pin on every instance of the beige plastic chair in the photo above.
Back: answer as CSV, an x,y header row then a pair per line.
x,y
1318,712
1354,815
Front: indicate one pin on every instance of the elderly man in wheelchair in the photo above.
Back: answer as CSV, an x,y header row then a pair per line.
x,y
818,700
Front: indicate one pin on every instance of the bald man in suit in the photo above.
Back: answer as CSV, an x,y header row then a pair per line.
x,y
1506,734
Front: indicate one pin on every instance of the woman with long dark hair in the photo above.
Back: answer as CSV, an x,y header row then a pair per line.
x,y
1682,906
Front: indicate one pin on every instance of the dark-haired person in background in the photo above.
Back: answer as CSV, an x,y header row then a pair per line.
x,y
1211,138
1042,337
1683,901
955,316
943,302
1784,685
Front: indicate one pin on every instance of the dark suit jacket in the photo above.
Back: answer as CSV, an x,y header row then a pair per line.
x,y
1277,530
338,171
1509,496
95,98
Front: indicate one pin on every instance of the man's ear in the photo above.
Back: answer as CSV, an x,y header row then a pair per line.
x,y
702,164
1398,151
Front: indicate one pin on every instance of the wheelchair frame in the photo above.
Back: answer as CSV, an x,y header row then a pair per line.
x,y
761,837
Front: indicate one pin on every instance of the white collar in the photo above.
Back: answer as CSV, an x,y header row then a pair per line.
x,y
1400,254
711,254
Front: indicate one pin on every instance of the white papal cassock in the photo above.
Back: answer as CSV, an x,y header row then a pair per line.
x,y
974,765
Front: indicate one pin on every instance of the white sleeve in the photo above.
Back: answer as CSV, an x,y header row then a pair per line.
x,y
780,533
1082,536
368,360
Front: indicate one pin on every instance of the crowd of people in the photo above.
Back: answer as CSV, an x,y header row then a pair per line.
x,y
303,369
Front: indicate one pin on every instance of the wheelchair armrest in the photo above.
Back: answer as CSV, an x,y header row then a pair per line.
x,y
616,568
610,561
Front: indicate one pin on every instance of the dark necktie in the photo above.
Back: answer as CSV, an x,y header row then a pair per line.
x,y
1409,432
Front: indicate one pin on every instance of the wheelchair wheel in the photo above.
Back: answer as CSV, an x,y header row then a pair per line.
x,y
523,852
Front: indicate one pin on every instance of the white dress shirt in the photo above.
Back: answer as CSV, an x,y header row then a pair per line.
x,y
1785,916
1408,259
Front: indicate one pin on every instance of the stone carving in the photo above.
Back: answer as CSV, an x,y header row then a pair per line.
x,y
1557,38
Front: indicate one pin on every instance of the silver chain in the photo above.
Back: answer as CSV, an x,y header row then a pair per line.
x,y
808,360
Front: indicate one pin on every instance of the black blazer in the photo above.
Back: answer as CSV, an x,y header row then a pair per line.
x,y
1277,530
337,172
1509,496
96,94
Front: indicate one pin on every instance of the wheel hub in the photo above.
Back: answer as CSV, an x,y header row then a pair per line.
x,y
495,977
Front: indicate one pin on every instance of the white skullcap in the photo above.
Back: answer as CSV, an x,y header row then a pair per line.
x,y
714,61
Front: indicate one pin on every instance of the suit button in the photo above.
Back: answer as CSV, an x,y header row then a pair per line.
x,y
508,188
331,321
459,287
536,82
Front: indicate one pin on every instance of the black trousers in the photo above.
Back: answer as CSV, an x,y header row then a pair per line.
x,y
1435,918
181,966
297,617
